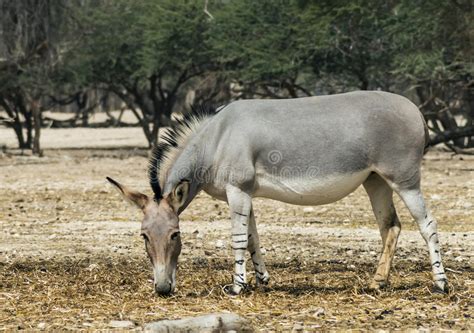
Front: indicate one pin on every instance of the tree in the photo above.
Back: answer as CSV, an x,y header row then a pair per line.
x,y
434,59
259,44
143,51
296,48
29,42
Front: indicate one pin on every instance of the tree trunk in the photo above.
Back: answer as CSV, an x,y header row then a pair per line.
x,y
470,112
449,124
35,110
16,124
83,108
20,105
19,133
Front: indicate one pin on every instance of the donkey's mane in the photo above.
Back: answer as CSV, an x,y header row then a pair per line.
x,y
173,141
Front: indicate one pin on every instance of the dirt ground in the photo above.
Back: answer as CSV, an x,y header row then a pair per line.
x,y
71,256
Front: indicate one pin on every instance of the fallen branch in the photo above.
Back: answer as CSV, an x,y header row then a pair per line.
x,y
449,135
215,322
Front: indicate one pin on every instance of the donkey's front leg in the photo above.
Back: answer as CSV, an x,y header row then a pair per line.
x,y
240,204
254,248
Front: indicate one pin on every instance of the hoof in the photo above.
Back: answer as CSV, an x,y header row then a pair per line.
x,y
235,289
441,286
377,285
262,280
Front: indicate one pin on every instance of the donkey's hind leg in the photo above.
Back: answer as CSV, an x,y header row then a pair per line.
x,y
261,273
427,224
380,195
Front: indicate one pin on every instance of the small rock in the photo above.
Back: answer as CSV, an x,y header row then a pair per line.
x,y
308,209
467,205
92,267
318,312
298,327
121,324
220,244
41,326
435,197
263,250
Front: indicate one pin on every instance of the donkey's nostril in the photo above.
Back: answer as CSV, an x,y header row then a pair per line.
x,y
163,288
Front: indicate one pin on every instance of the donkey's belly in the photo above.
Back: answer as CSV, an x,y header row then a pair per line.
x,y
314,190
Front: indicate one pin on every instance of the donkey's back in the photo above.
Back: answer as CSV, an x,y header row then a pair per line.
x,y
317,150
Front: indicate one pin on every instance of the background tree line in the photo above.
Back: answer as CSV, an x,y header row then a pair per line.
x,y
160,56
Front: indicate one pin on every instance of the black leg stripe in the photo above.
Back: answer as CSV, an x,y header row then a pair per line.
x,y
436,264
239,248
434,233
239,262
429,223
236,235
241,284
240,241
241,214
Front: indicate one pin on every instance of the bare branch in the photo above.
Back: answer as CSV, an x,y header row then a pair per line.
x,y
449,135
207,11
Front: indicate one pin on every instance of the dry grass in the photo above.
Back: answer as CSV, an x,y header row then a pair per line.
x,y
319,294
70,257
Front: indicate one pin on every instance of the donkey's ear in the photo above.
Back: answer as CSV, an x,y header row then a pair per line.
x,y
138,199
179,195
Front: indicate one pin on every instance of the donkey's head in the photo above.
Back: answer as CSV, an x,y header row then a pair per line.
x,y
160,229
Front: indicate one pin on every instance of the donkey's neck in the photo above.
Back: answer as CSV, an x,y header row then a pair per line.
x,y
191,165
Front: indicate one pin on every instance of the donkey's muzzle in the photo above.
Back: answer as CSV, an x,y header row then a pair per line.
x,y
163,288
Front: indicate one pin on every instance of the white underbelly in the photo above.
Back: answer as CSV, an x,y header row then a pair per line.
x,y
308,190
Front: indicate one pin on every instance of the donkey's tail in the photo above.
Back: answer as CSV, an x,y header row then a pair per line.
x,y
427,134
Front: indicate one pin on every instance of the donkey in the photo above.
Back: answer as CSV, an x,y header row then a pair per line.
x,y
304,151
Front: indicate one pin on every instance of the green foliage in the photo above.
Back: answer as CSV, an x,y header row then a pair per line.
x,y
144,51
148,51
436,43
129,41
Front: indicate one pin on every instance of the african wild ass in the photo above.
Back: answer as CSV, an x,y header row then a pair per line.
x,y
305,151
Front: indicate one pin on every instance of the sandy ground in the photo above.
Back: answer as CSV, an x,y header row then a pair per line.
x,y
71,256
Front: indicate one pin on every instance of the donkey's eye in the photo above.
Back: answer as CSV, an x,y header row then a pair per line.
x,y
175,235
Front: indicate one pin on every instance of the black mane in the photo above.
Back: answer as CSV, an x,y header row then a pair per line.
x,y
170,141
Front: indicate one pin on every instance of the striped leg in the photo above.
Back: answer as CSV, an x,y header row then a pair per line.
x,y
262,276
240,204
380,195
428,228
